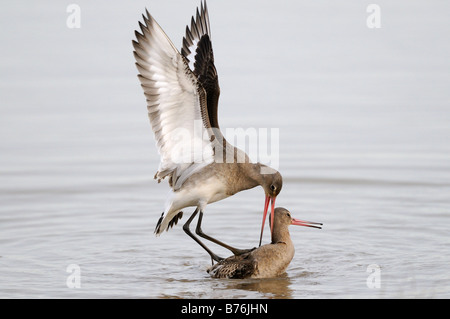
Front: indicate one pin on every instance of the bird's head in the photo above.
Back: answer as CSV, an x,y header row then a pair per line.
x,y
271,182
283,219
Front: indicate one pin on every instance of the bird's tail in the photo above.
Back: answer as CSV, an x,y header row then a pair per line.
x,y
164,223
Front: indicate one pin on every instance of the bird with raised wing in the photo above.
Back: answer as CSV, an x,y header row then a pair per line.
x,y
182,94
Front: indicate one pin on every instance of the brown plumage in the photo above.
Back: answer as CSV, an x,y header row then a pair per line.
x,y
182,92
268,260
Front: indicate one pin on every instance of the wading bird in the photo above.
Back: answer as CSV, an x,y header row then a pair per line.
x,y
268,260
182,93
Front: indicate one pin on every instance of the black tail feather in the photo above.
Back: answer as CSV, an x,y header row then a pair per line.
x,y
175,219
172,222
158,224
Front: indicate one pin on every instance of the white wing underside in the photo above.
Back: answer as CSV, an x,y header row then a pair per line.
x,y
176,105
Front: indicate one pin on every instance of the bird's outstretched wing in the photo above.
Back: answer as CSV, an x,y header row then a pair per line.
x,y
176,103
197,49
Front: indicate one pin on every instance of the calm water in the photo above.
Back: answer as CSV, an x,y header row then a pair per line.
x,y
364,130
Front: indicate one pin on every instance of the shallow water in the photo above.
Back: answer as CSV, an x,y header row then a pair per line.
x,y
364,126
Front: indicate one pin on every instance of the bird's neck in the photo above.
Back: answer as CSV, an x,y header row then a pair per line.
x,y
248,176
281,236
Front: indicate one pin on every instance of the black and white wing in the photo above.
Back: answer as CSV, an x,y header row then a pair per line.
x,y
176,104
197,49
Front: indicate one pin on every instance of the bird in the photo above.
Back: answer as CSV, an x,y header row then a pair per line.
x,y
182,93
267,261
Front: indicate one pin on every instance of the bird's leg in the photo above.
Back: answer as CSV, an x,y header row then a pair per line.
x,y
188,231
200,232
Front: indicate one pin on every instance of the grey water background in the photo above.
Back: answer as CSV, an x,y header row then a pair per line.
x,y
364,126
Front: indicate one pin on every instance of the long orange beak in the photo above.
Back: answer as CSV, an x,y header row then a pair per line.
x,y
305,223
272,213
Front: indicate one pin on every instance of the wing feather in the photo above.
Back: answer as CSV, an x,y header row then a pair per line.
x,y
176,104
197,49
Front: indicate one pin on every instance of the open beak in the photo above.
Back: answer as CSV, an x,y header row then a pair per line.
x,y
266,207
299,222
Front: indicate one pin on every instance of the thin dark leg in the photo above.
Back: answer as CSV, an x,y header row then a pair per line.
x,y
200,232
188,231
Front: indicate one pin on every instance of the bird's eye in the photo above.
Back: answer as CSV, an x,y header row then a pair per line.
x,y
288,215
273,187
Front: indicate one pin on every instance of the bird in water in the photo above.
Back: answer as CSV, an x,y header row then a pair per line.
x,y
182,94
267,261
